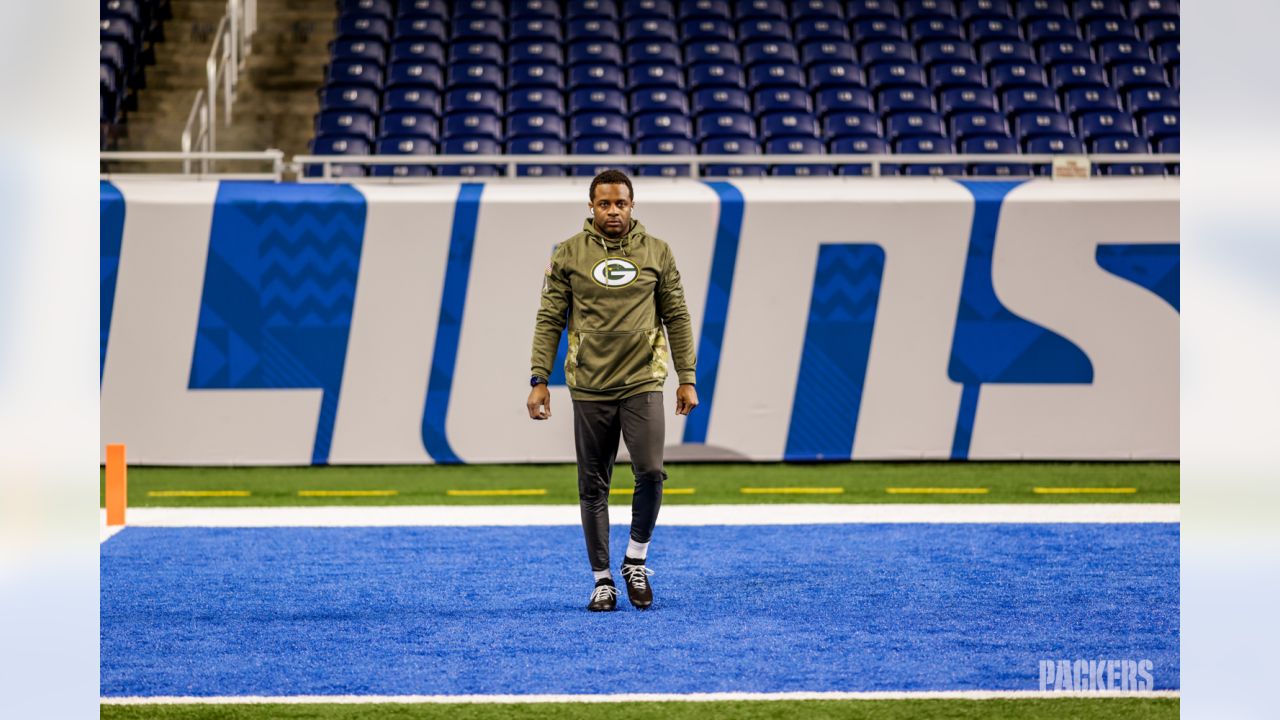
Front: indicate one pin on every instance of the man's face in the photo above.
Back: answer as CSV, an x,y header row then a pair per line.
x,y
611,209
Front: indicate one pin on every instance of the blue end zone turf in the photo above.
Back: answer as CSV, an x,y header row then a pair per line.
x,y
436,610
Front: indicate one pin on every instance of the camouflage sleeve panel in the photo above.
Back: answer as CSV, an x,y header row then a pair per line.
x,y
551,315
675,315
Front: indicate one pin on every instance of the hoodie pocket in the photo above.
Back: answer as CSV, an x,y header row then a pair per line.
x,y
608,360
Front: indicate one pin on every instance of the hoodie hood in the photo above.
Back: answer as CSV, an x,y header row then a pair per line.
x,y
626,243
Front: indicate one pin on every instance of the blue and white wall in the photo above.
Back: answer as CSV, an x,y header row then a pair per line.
x,y
253,323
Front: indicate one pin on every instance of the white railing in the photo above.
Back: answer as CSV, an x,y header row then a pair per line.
x,y
273,158
232,42
695,163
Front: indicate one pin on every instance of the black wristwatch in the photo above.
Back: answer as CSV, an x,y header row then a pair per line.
x,y
535,380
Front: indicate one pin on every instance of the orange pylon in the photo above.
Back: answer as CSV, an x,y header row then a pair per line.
x,y
117,484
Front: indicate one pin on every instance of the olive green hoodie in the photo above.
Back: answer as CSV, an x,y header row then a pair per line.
x,y
616,294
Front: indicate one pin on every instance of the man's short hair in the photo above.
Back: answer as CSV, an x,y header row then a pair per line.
x,y
611,177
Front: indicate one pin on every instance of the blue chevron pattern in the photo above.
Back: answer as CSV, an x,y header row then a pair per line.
x,y
110,238
1156,267
837,344
279,290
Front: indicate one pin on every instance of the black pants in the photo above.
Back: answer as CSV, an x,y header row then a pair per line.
x,y
596,427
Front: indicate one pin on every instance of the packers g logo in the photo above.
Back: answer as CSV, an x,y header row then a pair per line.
x,y
613,272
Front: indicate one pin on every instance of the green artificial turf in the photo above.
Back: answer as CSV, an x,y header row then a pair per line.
x,y
860,482
1022,709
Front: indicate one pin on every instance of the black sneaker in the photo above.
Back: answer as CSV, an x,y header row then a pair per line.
x,y
604,598
638,589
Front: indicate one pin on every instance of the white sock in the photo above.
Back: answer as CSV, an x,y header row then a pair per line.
x,y
637,550
602,574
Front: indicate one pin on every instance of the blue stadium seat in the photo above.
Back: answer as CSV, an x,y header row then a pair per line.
x,y
861,146
367,28
538,100
763,9
1113,52
411,99
844,100
1128,76
483,125
895,75
591,8
654,52
361,51
975,9
473,75
470,146
905,100
418,51
1055,145
650,30
708,75
474,100
356,73
814,9
648,8
1060,53
595,76
416,28
946,51
1146,9
721,125
999,29
535,75
820,30
732,146
484,9
1168,145
878,31
782,100
1162,125
1006,52
1021,100
1168,52
994,146
655,75
928,145
1052,30
711,51
478,29
404,146
476,52
945,76
594,51
537,146
410,124
1102,124
1034,124
598,125
1126,145
1110,29
662,125
349,98
535,125
798,146
772,53
836,126
437,9
969,125
339,122
696,9
963,100
535,10
936,29
1095,9
708,30
866,9
1084,100
1028,10
827,52
536,51
592,29
1018,75
928,8
1077,75
887,52
834,75
760,77
419,75
721,100
339,145
599,146
1148,100
659,100
904,125
788,125
597,100
1161,30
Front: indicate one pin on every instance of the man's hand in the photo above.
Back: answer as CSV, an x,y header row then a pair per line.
x,y
686,399
539,403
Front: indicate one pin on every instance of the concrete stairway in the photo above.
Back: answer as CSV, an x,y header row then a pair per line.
x,y
277,94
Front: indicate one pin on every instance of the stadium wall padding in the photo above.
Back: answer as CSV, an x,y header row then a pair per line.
x,y
291,324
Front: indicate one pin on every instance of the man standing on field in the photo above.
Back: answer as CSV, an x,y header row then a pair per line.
x,y
615,286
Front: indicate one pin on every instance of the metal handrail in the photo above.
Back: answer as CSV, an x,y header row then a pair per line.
x,y
232,43
697,162
275,157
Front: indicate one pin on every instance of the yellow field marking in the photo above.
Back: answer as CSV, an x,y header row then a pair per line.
x,y
486,493
665,491
1084,491
347,493
935,491
197,493
792,490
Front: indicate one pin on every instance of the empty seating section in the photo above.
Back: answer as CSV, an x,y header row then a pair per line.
x,y
127,31
738,78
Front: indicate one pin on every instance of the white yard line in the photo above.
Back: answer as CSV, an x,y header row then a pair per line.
x,y
636,697
620,514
